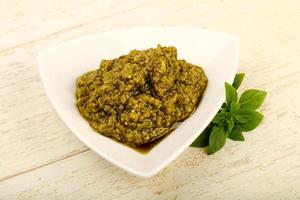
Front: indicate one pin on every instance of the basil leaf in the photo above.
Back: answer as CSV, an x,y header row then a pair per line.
x,y
230,124
203,139
233,107
233,118
219,118
253,123
252,99
217,139
223,105
231,94
223,110
238,79
236,135
243,115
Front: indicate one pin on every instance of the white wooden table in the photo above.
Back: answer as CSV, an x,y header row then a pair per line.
x,y
41,159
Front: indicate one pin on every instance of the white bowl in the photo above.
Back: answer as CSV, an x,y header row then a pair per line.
x,y
217,53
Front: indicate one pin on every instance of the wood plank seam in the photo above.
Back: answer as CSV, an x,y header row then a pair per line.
x,y
66,156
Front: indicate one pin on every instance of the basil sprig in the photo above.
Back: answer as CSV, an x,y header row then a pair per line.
x,y
234,117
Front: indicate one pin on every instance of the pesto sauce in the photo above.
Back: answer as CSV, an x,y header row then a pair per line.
x,y
137,98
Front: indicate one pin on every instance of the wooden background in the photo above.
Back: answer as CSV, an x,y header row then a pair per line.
x,y
41,159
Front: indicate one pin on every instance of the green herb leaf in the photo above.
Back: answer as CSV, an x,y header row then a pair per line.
x,y
238,79
231,94
253,123
230,123
217,139
203,139
233,107
243,115
233,118
236,135
252,99
219,118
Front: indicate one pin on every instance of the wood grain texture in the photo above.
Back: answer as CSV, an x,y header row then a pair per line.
x,y
41,159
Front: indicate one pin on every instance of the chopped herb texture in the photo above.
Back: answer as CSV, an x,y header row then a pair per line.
x,y
139,97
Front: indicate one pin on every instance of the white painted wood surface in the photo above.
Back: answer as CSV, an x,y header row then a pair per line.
x,y
41,159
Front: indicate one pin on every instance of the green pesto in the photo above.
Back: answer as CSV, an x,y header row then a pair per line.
x,y
139,97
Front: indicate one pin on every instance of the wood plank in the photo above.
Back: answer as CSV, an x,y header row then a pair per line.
x,y
235,173
34,20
